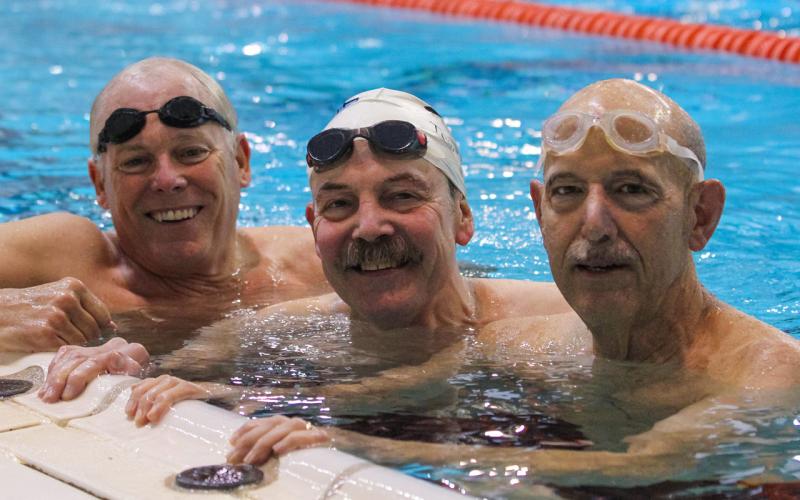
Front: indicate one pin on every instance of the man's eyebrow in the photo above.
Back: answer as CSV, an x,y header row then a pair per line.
x,y
407,177
332,186
561,176
630,173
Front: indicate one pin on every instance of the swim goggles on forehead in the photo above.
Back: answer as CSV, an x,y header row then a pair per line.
x,y
630,132
326,149
180,112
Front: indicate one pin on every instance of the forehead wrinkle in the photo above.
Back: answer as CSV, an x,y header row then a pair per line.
x,y
407,177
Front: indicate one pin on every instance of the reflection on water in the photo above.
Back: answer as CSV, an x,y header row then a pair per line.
x,y
461,390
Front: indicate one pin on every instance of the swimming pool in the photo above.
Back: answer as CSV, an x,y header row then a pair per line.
x,y
288,65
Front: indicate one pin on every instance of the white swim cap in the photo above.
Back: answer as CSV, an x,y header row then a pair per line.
x,y
378,105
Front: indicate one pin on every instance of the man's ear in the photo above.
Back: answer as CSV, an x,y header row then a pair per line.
x,y
311,217
465,224
537,195
707,201
243,160
96,174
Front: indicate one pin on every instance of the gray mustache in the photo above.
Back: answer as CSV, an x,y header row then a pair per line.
x,y
386,248
582,252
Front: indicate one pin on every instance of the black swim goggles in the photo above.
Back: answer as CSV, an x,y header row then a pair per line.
x,y
394,137
180,112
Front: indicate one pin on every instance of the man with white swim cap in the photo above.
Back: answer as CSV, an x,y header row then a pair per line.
x,y
389,207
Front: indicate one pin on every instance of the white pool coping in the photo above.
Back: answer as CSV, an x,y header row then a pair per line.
x,y
87,448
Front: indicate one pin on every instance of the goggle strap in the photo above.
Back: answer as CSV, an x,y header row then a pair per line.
x,y
684,152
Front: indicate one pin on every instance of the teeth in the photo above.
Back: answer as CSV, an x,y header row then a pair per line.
x,y
174,215
378,265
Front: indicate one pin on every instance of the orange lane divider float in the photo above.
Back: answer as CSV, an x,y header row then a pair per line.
x,y
764,44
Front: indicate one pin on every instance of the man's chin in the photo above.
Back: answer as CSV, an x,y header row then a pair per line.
x,y
602,304
386,312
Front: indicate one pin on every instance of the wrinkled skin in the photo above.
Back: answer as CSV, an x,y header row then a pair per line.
x,y
371,198
73,367
46,317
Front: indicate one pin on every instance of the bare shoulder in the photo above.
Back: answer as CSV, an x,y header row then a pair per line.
x,y
290,249
329,303
555,333
48,247
281,239
755,353
504,298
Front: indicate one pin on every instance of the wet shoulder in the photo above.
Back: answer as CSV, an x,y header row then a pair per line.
x,y
61,243
329,303
52,228
290,250
505,298
753,353
555,333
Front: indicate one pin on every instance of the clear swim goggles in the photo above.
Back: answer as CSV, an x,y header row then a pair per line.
x,y
629,132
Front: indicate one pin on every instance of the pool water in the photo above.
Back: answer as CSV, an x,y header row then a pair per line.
x,y
287,66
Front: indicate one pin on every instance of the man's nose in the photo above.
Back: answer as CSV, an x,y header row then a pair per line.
x,y
168,175
599,225
372,222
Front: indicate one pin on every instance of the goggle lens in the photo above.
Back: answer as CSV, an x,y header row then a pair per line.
x,y
633,130
327,146
394,136
563,130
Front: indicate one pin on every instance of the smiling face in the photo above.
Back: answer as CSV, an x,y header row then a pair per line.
x,y
386,230
173,193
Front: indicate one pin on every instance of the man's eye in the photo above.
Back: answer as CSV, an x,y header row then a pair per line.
x,y
193,154
633,189
564,190
133,164
403,196
336,204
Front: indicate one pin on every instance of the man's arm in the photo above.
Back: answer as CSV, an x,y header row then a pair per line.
x,y
669,447
43,302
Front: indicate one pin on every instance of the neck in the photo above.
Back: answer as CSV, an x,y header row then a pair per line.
x,y
658,332
454,304
220,278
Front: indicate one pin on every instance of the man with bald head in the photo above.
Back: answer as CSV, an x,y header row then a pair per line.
x,y
169,164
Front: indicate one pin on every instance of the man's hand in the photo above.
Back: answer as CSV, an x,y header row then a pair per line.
x,y
152,398
46,317
257,440
74,367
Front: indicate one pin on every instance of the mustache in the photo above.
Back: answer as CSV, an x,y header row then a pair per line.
x,y
583,252
394,249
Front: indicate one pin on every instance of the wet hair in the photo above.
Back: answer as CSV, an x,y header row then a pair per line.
x,y
153,67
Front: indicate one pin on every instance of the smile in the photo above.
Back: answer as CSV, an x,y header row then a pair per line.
x,y
174,215
379,265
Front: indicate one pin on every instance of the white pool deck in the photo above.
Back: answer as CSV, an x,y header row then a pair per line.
x,y
87,448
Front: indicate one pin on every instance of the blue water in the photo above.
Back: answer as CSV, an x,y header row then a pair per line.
x,y
287,65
